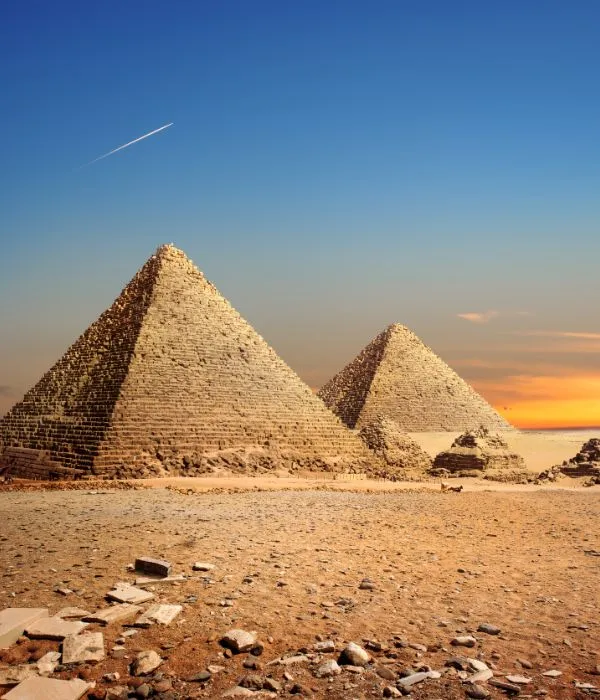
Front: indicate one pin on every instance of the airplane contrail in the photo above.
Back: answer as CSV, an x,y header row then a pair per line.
x,y
120,148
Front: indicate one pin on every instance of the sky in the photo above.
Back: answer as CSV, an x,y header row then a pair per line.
x,y
333,167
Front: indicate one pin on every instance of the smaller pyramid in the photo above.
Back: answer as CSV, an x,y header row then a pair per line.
x,y
403,457
477,451
399,377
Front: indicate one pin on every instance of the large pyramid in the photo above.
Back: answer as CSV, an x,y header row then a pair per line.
x,y
399,377
171,378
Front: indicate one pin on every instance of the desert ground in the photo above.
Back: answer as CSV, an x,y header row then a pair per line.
x,y
400,569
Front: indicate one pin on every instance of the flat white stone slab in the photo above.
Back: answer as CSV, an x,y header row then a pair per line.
x,y
53,628
158,614
149,580
79,648
16,674
129,594
203,566
72,613
13,622
113,614
36,688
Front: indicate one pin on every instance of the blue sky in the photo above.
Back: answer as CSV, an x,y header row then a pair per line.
x,y
333,167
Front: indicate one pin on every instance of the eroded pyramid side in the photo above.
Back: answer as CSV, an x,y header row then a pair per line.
x,y
345,394
203,387
69,410
412,386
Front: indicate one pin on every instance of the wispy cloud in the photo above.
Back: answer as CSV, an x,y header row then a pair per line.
x,y
125,145
487,316
584,335
479,316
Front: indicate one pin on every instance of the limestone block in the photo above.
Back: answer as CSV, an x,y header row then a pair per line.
x,y
13,622
80,648
36,688
53,628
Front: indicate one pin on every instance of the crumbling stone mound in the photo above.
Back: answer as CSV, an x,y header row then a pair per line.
x,y
586,463
477,453
250,461
402,456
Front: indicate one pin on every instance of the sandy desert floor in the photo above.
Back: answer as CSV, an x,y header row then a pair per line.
x,y
289,565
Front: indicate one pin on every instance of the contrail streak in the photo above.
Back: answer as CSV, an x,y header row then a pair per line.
x,y
125,145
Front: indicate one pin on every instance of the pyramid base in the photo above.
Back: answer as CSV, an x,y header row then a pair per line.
x,y
253,460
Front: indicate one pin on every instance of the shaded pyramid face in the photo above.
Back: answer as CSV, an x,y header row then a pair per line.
x,y
399,377
171,374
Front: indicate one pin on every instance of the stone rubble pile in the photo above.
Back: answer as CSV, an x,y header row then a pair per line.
x,y
403,457
586,463
480,453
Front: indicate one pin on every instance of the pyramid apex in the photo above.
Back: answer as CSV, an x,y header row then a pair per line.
x,y
398,329
168,248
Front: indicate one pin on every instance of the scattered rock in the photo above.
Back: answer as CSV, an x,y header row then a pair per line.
x,y
328,669
148,565
238,692
201,677
477,665
145,662
520,680
464,641
488,629
325,647
481,676
477,692
354,655
203,566
47,664
386,673
239,641
415,678
553,673
272,685
510,688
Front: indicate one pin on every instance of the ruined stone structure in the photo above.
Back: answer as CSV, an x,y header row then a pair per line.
x,y
586,462
172,379
402,456
398,376
478,451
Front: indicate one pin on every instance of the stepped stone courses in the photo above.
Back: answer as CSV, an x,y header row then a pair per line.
x,y
586,462
478,451
171,379
399,377
400,454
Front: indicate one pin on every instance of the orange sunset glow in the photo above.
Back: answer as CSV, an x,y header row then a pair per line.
x,y
545,401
